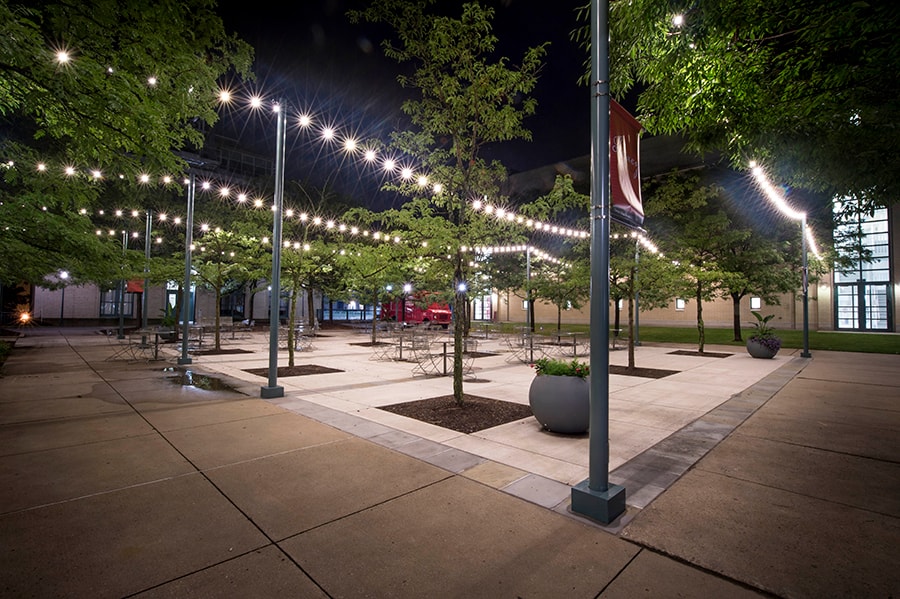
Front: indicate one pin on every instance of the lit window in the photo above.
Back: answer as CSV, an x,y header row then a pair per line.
x,y
755,303
679,304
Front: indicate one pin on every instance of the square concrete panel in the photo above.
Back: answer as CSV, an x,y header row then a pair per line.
x,y
852,480
405,546
654,575
180,409
216,445
116,544
265,573
772,539
43,477
289,493
52,434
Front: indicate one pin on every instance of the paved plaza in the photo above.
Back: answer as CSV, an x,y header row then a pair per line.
x,y
743,478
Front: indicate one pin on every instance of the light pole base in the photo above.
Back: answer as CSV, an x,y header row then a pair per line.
x,y
271,392
185,360
805,354
603,506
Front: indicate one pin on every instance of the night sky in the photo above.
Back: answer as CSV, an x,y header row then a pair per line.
x,y
311,55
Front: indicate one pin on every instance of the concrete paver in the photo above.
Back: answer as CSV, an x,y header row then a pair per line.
x,y
774,477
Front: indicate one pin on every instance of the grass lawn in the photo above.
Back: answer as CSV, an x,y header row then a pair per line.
x,y
874,343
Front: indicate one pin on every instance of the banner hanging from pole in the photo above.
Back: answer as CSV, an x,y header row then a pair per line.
x,y
624,167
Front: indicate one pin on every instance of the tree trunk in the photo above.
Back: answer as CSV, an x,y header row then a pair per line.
x,y
700,329
736,310
459,310
218,319
311,308
631,319
374,315
292,317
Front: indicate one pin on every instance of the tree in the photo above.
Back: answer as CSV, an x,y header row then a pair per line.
x,y
813,85
464,102
640,273
757,264
95,107
689,219
564,283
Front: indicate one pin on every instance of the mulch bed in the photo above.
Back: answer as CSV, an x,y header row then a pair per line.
x,y
296,370
220,352
476,413
648,373
706,354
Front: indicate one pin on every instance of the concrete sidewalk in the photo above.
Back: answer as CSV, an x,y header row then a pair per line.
x,y
119,482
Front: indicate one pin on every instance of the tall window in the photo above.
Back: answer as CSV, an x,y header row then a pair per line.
x,y
109,304
862,274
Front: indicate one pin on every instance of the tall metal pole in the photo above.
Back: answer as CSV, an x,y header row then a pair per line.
x,y
637,294
272,389
595,497
528,323
186,290
121,294
146,303
805,353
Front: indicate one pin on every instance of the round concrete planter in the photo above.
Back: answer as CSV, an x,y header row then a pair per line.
x,y
561,404
758,350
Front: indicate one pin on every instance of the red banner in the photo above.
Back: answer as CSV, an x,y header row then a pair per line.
x,y
624,167
134,286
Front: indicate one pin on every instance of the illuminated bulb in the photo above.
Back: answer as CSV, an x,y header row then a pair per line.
x,y
317,221
438,188
329,224
349,144
476,205
41,166
369,155
255,102
151,81
177,220
406,173
305,247
96,174
83,211
159,240
224,192
304,120
62,57
224,96
258,203
354,230
118,213
389,165
289,212
328,133
218,229
144,178
265,240
204,227
70,171
242,197
423,181
678,20
206,185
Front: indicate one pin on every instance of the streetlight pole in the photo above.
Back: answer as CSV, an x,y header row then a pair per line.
x,y
186,290
62,301
637,293
805,353
122,289
595,497
272,389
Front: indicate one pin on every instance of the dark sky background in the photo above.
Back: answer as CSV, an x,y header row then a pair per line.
x,y
311,54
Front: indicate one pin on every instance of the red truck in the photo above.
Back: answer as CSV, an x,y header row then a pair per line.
x,y
435,314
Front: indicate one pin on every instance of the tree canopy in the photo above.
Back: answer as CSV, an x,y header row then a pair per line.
x,y
116,87
810,87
